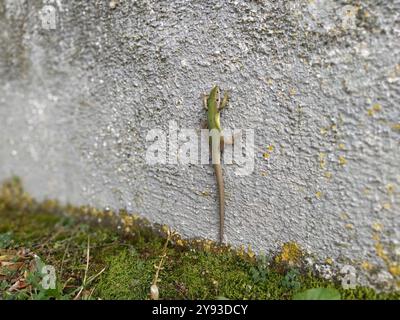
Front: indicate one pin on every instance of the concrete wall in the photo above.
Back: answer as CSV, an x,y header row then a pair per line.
x,y
317,81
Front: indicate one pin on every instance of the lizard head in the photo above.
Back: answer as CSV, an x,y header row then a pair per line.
x,y
215,94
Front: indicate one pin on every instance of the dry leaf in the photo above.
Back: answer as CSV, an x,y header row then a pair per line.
x,y
20,284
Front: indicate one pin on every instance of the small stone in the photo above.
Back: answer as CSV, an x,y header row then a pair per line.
x,y
113,4
154,293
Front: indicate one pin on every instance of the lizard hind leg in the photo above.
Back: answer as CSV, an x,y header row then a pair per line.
x,y
205,98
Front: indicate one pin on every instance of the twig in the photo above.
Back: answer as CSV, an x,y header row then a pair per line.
x,y
159,267
86,270
89,281
62,261
154,292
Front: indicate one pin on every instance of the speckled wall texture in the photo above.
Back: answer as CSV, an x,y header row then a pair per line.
x,y
317,81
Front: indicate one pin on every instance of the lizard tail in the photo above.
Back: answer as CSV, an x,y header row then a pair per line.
x,y
221,196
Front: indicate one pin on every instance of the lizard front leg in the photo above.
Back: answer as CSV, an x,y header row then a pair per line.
x,y
224,101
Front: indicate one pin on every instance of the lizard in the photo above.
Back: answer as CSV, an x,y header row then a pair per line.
x,y
213,104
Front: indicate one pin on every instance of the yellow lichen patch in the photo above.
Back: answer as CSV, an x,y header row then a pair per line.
x,y
377,107
267,154
378,227
390,188
290,254
268,81
366,191
366,266
264,173
341,146
329,261
376,236
394,269
250,252
323,131
392,266
344,216
207,245
349,226
396,127
322,160
127,220
342,160
318,194
328,174
241,251
374,109
292,91
386,206
380,251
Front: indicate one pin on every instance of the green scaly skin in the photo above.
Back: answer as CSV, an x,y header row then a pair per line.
x,y
214,105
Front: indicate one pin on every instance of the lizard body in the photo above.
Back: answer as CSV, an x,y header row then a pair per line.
x,y
213,104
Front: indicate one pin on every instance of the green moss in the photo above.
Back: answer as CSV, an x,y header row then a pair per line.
x,y
128,277
203,275
364,293
124,249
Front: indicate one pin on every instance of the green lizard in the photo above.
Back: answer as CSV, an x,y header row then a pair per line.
x,y
213,104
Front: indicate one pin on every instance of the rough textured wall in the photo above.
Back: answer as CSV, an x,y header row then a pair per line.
x,y
318,81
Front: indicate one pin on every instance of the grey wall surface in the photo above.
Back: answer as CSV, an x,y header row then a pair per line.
x,y
317,81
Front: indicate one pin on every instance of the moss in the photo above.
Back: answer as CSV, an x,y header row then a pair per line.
x,y
124,249
204,275
128,277
364,293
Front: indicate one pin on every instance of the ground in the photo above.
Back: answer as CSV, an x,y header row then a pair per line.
x,y
103,255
